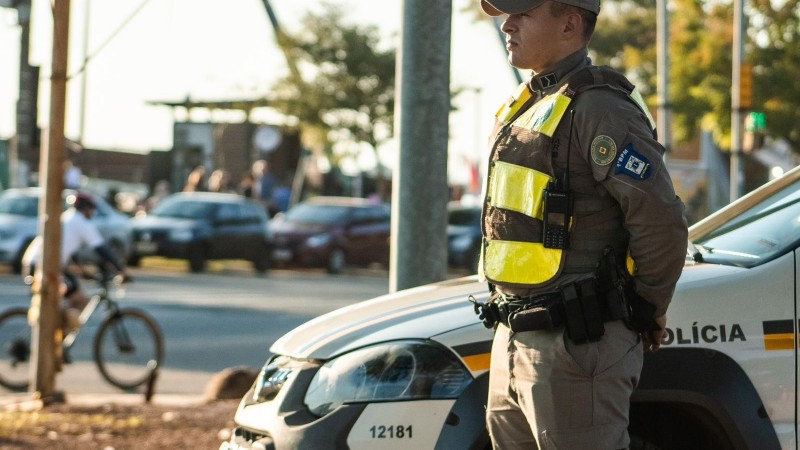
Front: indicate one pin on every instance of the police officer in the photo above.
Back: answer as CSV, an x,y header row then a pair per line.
x,y
584,237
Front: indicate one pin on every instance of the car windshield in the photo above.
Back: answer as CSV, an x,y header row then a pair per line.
x,y
20,206
184,209
765,231
317,214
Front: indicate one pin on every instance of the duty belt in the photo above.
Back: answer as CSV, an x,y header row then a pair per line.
x,y
579,307
508,306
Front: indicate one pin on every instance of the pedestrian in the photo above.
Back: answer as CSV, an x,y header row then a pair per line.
x,y
263,184
73,177
584,238
196,180
245,187
219,181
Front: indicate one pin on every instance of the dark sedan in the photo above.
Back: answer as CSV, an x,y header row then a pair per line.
x,y
201,226
464,237
332,232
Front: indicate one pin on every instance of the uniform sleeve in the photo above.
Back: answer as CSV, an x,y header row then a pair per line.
x,y
627,162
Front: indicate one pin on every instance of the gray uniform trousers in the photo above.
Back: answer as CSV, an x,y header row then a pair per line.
x,y
545,390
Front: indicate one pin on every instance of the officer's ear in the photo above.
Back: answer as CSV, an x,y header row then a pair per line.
x,y
573,25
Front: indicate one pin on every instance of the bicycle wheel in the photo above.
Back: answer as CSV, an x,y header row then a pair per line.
x,y
15,349
127,348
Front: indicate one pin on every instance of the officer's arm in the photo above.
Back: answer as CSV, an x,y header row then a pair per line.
x,y
638,180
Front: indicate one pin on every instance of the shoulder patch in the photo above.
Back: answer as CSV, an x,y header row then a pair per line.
x,y
603,150
632,164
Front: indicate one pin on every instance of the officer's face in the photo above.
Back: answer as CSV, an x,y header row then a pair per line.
x,y
532,38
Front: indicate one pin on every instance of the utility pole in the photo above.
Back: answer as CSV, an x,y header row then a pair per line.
x,y
21,148
420,188
47,331
737,106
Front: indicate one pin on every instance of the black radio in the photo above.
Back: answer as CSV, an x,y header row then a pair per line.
x,y
558,204
557,216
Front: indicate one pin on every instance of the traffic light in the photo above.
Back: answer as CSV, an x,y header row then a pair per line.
x,y
755,126
746,86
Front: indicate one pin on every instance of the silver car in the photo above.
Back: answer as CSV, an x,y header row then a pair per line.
x,y
19,222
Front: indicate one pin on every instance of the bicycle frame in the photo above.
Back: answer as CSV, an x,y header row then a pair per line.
x,y
88,311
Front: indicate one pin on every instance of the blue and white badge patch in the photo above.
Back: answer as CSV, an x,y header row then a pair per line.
x,y
633,164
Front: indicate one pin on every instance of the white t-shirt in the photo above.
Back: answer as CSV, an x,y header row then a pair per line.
x,y
76,231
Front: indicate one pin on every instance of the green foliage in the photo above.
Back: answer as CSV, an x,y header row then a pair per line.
x,y
348,90
701,41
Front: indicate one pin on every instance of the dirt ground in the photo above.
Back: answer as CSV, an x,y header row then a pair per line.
x,y
118,426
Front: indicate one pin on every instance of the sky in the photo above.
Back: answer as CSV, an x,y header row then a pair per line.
x,y
155,50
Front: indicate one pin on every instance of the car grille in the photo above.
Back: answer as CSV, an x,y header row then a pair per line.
x,y
247,435
151,235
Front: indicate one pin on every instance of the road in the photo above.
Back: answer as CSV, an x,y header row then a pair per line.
x,y
224,318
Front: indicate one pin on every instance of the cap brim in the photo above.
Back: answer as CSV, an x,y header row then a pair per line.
x,y
489,9
499,7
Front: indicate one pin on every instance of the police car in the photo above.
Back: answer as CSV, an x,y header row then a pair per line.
x,y
410,369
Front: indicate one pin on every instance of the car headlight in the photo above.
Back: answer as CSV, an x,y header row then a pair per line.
x,y
402,370
319,240
461,243
270,380
181,235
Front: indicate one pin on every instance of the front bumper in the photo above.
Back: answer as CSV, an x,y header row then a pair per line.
x,y
163,248
285,421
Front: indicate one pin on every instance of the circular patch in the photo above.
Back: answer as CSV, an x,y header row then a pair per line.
x,y
604,150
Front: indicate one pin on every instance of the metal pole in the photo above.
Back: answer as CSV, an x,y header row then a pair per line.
x,y
420,188
21,147
84,75
737,168
47,333
662,47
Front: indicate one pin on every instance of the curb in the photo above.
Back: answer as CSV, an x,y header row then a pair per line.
x,y
30,401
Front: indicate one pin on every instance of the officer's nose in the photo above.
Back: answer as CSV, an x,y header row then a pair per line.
x,y
508,25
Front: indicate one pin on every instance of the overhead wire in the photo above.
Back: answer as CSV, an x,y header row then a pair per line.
x,y
108,40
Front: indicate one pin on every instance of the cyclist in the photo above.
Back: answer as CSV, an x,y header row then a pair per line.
x,y
77,230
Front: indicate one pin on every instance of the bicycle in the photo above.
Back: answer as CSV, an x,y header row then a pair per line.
x,y
128,346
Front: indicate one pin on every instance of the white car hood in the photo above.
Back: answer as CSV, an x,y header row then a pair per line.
x,y
421,313
418,313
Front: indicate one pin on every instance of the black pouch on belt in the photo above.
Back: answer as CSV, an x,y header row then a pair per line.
x,y
582,316
542,317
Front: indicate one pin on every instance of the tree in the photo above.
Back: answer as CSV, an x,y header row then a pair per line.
x,y
351,92
775,53
701,39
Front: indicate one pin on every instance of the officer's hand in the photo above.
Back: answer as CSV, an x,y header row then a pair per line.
x,y
653,339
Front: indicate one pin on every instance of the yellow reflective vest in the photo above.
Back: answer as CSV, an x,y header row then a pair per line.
x,y
521,167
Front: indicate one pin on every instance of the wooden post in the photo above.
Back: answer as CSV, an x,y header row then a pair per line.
x,y
47,331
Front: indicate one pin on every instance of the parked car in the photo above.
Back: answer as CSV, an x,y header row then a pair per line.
x,y
19,212
410,369
332,232
464,237
202,226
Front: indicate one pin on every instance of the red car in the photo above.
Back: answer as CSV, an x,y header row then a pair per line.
x,y
332,232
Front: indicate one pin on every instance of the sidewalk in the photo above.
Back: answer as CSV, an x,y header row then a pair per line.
x,y
82,384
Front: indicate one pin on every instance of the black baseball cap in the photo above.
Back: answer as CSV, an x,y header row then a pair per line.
x,y
498,7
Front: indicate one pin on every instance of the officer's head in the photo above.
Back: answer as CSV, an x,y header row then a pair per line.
x,y
498,7
588,9
83,202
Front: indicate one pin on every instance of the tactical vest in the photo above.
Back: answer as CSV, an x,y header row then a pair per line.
x,y
525,159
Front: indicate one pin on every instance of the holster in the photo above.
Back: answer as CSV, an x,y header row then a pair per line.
x,y
613,278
